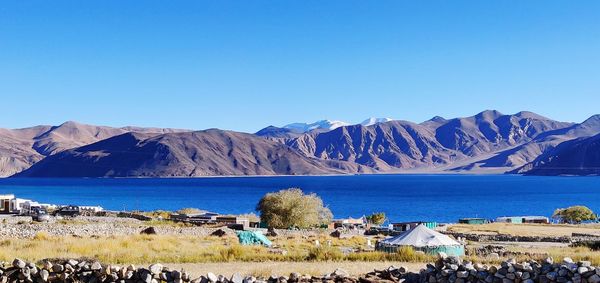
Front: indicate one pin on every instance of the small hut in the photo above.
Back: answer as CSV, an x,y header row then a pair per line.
x,y
423,239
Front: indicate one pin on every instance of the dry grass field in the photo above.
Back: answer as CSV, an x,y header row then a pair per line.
x,y
138,249
555,230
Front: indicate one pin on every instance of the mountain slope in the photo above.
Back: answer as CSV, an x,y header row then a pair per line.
x,y
575,157
437,143
189,154
21,148
541,144
384,146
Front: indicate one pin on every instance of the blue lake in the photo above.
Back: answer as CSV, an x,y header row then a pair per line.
x,y
443,198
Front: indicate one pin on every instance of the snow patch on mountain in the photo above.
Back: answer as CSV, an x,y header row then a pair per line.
x,y
372,121
319,125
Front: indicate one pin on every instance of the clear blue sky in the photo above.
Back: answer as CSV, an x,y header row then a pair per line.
x,y
243,65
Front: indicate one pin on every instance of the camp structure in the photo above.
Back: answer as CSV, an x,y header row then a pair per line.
x,y
422,239
247,238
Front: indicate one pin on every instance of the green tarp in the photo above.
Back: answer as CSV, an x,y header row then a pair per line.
x,y
253,238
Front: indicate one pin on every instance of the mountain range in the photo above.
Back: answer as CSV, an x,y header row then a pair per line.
x,y
488,142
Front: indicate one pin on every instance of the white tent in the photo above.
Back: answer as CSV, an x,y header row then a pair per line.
x,y
424,239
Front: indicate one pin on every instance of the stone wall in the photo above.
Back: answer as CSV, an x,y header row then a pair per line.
x,y
445,270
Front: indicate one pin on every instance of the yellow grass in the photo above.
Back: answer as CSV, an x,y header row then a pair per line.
x,y
188,249
554,230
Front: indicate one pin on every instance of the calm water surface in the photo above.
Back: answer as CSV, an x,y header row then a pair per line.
x,y
443,198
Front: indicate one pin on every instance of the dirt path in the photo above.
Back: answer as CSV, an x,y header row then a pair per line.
x,y
285,268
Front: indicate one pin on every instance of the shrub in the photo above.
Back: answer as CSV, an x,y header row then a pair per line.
x,y
189,210
376,218
574,214
324,253
41,236
292,208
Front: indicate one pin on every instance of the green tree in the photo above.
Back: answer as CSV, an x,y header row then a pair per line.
x,y
292,208
574,214
376,218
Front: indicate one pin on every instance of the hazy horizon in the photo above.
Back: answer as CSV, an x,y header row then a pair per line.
x,y
242,66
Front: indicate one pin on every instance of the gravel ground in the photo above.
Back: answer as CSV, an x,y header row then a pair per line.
x,y
23,227
285,268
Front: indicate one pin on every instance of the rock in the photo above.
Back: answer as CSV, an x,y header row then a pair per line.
x,y
549,260
156,268
18,263
218,233
594,279
340,273
585,263
494,256
149,231
96,266
552,275
176,274
44,275
72,262
295,276
58,268
336,234
236,278
271,233
212,277
442,255
567,260
582,269
462,274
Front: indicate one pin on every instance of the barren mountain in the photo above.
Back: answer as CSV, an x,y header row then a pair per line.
x,y
541,144
432,144
20,148
384,146
487,142
189,154
575,157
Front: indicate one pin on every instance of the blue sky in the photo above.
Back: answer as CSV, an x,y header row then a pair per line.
x,y
242,65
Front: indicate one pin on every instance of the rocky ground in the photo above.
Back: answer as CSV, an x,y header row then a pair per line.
x,y
445,270
83,226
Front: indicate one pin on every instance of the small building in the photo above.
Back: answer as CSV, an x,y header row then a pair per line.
x,y
473,221
234,222
203,217
349,223
523,219
422,239
405,226
536,219
7,204
510,219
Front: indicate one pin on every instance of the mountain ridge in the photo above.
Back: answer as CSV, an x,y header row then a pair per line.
x,y
489,141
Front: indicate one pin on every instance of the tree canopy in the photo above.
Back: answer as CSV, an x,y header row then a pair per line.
x,y
292,208
574,214
376,218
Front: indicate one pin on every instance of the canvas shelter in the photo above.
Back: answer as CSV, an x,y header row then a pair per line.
x,y
247,238
423,239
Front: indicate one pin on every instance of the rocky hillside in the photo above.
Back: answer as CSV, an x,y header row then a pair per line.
x,y
188,154
575,157
437,143
21,148
489,142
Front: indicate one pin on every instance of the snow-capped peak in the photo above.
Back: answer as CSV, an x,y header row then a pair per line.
x,y
321,125
372,121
